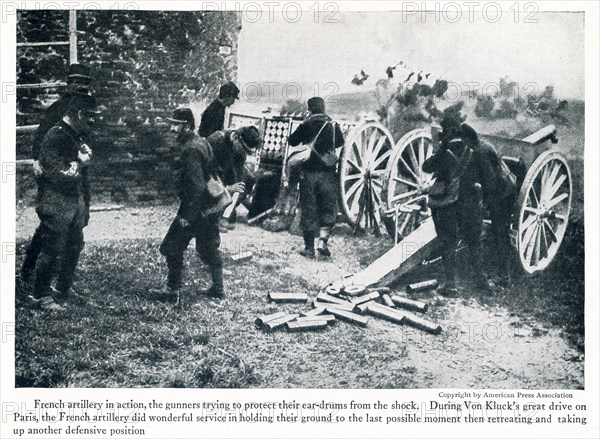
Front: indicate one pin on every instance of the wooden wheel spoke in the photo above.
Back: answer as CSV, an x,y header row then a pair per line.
x,y
528,222
529,240
357,155
421,156
404,224
352,190
536,246
413,159
546,246
535,197
403,195
527,236
556,200
406,182
354,165
381,158
410,170
349,177
549,193
553,236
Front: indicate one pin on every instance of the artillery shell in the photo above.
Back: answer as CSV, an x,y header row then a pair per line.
x,y
421,323
349,307
422,286
404,302
329,318
362,299
288,297
306,325
324,297
333,290
386,313
349,317
362,308
387,300
354,290
274,324
261,320
380,290
318,310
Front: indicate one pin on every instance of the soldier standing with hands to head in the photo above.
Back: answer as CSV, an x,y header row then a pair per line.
x,y
318,182
63,207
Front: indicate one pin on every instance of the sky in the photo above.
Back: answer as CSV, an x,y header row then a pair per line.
x,y
548,52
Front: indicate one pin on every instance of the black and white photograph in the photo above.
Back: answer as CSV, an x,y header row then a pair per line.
x,y
301,195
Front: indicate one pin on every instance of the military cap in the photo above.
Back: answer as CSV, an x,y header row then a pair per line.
x,y
79,71
183,115
229,90
82,102
250,137
316,105
468,132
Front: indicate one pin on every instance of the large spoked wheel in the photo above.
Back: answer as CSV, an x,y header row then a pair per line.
x,y
406,185
362,168
544,205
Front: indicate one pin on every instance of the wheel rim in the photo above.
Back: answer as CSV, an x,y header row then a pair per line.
x,y
406,185
545,205
362,169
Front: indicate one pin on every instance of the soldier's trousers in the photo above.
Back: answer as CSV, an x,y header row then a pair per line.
x,y
501,213
318,200
462,219
208,240
35,246
61,235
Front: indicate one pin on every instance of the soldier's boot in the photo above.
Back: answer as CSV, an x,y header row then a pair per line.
x,y
43,277
216,273
67,272
323,240
480,280
449,286
309,245
31,256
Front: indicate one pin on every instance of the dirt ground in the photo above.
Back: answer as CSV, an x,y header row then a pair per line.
x,y
485,343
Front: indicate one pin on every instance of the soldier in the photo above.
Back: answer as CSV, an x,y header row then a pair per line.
x,y
233,170
499,195
461,213
198,214
213,118
63,207
77,83
319,181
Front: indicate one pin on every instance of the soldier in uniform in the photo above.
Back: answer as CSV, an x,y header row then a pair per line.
x,y
77,83
63,207
319,181
233,169
213,118
463,217
197,216
499,195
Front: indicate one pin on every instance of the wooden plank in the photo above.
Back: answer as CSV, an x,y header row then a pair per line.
x,y
277,323
362,308
365,298
43,43
43,85
400,259
380,290
349,316
407,303
106,208
287,297
387,313
261,320
324,297
27,129
242,257
421,323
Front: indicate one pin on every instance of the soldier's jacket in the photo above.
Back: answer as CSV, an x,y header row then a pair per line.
x,y
231,164
58,149
213,119
306,133
478,170
195,168
51,117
